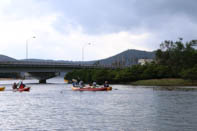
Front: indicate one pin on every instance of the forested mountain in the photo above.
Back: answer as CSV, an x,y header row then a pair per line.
x,y
6,58
126,58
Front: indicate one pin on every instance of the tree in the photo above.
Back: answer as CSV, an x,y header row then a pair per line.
x,y
177,55
190,74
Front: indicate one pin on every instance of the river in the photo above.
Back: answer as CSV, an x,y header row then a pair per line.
x,y
54,106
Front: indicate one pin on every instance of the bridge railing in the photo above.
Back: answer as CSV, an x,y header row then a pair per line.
x,y
55,64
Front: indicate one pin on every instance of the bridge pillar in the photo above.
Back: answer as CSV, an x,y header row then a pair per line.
x,y
43,81
43,76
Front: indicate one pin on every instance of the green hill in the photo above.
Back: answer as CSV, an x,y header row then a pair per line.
x,y
126,58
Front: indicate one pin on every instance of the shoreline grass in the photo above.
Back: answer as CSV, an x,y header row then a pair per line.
x,y
165,82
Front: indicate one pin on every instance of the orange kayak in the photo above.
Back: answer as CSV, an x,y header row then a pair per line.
x,y
91,89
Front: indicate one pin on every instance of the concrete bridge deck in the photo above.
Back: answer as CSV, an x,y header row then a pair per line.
x,y
29,66
44,70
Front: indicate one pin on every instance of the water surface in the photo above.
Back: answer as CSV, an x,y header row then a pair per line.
x,y
54,106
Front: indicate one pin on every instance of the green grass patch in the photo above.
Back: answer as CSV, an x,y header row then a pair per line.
x,y
165,82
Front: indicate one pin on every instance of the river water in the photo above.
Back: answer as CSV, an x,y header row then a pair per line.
x,y
54,106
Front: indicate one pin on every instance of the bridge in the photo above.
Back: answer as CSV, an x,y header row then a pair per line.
x,y
44,70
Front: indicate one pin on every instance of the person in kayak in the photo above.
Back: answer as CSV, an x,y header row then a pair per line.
x,y
81,84
94,84
14,86
74,82
106,84
21,85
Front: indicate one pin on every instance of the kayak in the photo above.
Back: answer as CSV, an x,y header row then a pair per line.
x,y
91,89
22,89
2,88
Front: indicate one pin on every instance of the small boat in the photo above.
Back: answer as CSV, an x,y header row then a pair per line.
x,y
22,89
2,88
91,89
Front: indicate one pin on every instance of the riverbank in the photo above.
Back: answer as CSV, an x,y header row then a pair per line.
x,y
165,82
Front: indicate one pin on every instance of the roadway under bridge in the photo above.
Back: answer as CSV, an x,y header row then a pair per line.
x,y
43,70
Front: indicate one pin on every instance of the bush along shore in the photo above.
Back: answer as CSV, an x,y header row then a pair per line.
x,y
165,82
175,64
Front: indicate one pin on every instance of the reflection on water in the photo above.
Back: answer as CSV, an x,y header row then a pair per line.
x,y
54,106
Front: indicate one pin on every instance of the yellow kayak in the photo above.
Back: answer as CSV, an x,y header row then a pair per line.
x,y
2,88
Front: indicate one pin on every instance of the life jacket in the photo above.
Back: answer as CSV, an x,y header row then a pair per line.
x,y
106,85
21,86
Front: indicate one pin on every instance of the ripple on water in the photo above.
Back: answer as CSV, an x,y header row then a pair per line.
x,y
55,107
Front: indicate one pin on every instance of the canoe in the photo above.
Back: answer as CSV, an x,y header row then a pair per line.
x,y
91,89
2,88
22,89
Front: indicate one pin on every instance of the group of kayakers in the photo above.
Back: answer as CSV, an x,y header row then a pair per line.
x,y
19,85
76,86
91,85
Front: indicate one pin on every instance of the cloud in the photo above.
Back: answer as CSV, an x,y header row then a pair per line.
x,y
112,26
101,16
163,19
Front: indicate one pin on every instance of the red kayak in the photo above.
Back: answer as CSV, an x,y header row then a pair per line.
x,y
22,89
91,89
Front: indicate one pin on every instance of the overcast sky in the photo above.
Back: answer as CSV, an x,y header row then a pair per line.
x,y
63,27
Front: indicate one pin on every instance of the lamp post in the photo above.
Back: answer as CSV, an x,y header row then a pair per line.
x,y
27,46
83,50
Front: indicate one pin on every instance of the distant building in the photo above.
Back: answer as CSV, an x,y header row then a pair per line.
x,y
144,61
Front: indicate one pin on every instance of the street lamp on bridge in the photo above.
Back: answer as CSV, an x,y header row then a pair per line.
x,y
27,46
83,50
